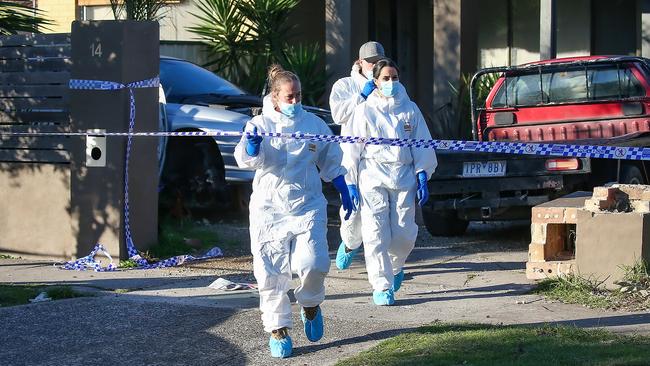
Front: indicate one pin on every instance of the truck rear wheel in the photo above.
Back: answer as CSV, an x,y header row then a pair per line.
x,y
444,222
631,174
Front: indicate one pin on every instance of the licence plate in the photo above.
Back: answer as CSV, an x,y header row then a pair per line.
x,y
484,168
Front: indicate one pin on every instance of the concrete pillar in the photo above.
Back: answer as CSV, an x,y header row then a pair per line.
x,y
645,28
547,29
407,48
338,35
573,28
424,73
469,36
446,56
123,52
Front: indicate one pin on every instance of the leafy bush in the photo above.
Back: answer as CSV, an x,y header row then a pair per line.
x,y
137,9
306,62
455,116
245,37
16,18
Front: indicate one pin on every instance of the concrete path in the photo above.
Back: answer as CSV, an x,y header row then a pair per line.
x,y
170,317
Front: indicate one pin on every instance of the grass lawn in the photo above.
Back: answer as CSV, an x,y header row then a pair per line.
x,y
11,295
633,293
477,344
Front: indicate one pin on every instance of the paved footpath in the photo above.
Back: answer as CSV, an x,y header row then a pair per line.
x,y
171,317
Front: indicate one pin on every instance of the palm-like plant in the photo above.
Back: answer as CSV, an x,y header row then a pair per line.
x,y
267,21
455,116
244,37
16,18
138,9
225,31
306,62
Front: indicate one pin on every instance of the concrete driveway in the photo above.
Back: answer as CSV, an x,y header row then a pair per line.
x,y
170,317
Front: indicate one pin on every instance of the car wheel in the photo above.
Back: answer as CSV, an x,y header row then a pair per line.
x,y
193,176
631,174
444,222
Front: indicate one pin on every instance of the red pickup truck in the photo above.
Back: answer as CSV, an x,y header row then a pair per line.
x,y
594,100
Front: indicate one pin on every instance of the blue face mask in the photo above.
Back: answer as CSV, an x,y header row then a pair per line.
x,y
290,110
389,88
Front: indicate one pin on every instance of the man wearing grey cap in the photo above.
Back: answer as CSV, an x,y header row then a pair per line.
x,y
347,93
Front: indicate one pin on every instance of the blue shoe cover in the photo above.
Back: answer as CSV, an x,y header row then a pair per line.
x,y
343,259
280,348
397,281
383,298
313,328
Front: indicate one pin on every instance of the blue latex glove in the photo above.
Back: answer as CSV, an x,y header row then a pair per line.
x,y
354,196
423,189
253,143
368,88
339,184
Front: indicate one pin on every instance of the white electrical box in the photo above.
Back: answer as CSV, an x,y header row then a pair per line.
x,y
96,149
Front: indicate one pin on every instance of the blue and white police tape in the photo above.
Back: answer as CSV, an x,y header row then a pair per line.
x,y
608,152
505,147
89,262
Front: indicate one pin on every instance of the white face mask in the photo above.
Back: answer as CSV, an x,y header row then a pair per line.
x,y
389,88
290,110
368,74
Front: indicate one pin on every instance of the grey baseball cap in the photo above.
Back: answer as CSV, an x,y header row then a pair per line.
x,y
371,51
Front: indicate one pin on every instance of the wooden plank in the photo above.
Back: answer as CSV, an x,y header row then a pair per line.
x,y
10,91
12,104
26,128
33,39
35,78
33,142
34,116
23,52
34,156
48,64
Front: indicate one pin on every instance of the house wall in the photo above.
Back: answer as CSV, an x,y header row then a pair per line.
x,y
61,12
573,28
433,41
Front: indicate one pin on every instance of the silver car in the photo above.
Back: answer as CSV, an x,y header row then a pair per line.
x,y
201,172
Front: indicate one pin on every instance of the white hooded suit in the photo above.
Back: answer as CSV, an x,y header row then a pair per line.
x,y
288,218
386,177
344,98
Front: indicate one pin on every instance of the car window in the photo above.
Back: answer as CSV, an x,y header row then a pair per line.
x,y
605,84
182,78
564,86
598,83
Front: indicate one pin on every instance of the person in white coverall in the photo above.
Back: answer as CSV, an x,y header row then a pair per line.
x,y
288,218
346,94
389,179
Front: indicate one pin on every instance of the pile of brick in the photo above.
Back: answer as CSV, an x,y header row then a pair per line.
x,y
593,235
620,198
550,252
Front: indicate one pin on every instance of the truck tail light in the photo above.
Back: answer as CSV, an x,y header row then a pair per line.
x,y
562,164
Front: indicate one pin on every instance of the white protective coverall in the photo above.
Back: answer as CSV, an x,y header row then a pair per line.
x,y
386,177
345,96
288,218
